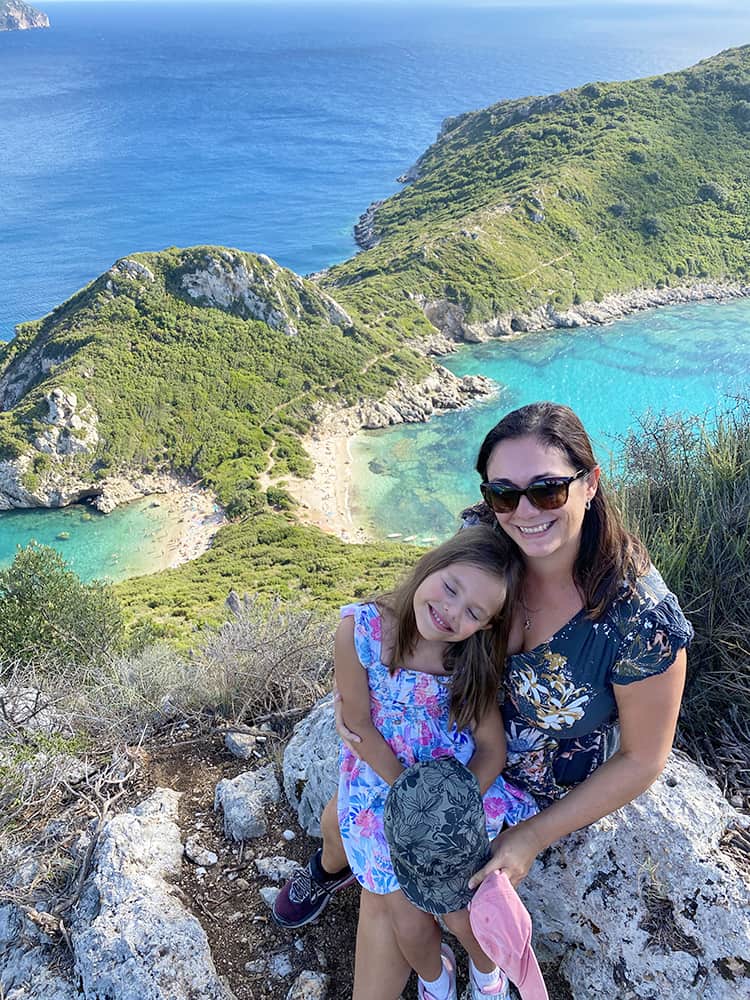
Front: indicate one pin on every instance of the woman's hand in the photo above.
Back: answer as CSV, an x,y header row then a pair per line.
x,y
349,739
513,851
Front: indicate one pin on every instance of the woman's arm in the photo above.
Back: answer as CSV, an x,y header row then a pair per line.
x,y
648,712
351,682
489,756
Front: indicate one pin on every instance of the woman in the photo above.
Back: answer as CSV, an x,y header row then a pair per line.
x,y
593,680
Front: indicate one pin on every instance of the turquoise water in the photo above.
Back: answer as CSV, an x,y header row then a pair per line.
x,y
413,480
132,540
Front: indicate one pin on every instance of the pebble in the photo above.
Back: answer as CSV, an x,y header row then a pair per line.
x,y
240,744
256,967
277,867
309,986
268,894
199,854
289,835
280,965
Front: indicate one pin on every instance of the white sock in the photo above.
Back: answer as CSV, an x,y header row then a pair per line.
x,y
483,979
440,987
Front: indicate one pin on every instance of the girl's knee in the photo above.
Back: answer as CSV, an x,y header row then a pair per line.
x,y
457,923
409,923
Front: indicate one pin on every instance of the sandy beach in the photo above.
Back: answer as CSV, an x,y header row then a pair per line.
x,y
195,519
324,499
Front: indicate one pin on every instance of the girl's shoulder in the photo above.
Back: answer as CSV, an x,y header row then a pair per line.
x,y
368,630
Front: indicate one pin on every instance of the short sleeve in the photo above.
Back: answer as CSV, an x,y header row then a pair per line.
x,y
367,631
652,643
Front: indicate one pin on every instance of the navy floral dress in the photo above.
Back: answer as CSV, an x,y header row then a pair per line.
x,y
560,712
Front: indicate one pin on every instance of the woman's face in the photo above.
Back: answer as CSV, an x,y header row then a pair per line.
x,y
540,533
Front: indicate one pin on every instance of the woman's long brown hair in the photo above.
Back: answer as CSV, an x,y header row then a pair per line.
x,y
609,557
477,663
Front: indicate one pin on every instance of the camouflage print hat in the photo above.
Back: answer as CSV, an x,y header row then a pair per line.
x,y
435,827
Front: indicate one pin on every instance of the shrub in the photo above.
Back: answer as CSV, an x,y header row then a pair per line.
x,y
49,616
687,494
712,192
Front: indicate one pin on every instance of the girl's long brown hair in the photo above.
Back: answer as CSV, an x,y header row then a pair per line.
x,y
477,663
609,556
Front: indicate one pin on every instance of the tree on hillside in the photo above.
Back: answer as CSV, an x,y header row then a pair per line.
x,y
49,617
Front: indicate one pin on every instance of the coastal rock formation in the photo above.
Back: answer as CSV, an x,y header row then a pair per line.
x,y
647,902
406,403
450,319
18,16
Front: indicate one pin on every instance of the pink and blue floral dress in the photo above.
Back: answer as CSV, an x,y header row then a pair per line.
x,y
411,710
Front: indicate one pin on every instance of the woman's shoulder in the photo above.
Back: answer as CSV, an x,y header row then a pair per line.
x,y
646,610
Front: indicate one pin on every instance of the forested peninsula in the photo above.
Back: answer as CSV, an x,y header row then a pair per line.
x,y
214,363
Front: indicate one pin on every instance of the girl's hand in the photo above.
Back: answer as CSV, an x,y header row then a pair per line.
x,y
349,739
513,851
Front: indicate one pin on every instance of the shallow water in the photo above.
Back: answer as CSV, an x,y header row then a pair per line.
x,y
415,479
137,538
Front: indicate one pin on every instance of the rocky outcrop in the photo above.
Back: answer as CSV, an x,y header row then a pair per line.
x,y
645,903
450,319
132,937
406,403
255,287
18,16
364,228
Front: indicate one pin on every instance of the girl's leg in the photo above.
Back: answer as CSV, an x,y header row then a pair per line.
x,y
458,924
380,969
418,936
333,858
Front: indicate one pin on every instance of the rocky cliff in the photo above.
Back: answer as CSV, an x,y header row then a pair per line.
x,y
18,16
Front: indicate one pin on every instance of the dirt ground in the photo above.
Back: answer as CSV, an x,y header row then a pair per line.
x,y
227,899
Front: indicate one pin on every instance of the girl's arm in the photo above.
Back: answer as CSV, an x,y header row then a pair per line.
x,y
648,713
489,755
351,681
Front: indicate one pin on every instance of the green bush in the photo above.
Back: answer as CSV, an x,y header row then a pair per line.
x,y
49,617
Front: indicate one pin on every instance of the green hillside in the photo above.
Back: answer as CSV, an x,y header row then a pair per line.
x,y
562,199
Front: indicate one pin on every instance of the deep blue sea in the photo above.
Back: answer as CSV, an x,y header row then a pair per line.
x,y
270,126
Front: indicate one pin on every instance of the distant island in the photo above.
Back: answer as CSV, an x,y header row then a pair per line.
x,y
18,16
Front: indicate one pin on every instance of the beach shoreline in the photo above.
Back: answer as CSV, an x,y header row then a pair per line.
x,y
195,517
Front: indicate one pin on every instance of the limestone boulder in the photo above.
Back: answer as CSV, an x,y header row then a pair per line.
x,y
311,765
132,937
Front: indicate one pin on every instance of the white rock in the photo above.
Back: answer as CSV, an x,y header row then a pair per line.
x,y
311,765
277,868
199,854
280,965
643,904
268,894
240,744
309,985
132,938
289,835
244,800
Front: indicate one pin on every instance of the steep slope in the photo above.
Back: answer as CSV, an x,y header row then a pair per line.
x,y
207,361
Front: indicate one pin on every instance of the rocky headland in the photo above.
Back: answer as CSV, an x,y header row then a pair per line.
x,y
18,16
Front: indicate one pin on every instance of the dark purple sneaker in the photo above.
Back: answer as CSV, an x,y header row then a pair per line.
x,y
305,895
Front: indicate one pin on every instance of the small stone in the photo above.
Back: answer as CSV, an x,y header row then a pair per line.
x,y
240,744
308,986
289,835
199,854
268,894
280,965
299,944
234,917
200,872
277,868
256,967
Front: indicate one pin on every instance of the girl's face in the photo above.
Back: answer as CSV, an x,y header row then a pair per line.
x,y
453,603
538,533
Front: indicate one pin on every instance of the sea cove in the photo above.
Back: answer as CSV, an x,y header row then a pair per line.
x,y
412,480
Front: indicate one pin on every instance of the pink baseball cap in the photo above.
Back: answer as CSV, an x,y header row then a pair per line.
x,y
502,926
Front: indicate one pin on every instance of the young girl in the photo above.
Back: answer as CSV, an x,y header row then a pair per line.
x,y
418,672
